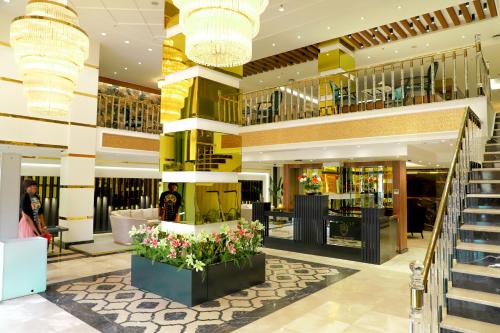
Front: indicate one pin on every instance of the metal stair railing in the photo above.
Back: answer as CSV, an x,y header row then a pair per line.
x,y
430,280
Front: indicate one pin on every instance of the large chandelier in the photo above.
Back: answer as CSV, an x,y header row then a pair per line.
x,y
174,94
51,50
219,32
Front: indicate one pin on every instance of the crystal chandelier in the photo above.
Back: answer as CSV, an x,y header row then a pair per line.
x,y
219,33
174,94
50,49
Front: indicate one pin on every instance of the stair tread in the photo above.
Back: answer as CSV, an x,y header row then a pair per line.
x,y
465,325
483,195
491,161
476,270
474,296
482,211
489,248
487,181
484,228
486,169
492,152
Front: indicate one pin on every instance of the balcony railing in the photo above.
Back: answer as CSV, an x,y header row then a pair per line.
x,y
128,113
449,75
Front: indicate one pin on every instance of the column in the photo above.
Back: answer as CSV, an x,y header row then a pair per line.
x,y
200,148
336,56
10,183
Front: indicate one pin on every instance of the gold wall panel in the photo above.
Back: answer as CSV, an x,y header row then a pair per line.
x,y
404,124
200,150
209,202
129,142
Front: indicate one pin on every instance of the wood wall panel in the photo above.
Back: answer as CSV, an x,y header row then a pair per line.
x,y
130,142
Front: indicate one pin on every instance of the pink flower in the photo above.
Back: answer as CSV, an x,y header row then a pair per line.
x,y
146,241
231,248
148,229
242,231
234,239
173,254
155,243
170,237
249,235
217,237
176,243
185,244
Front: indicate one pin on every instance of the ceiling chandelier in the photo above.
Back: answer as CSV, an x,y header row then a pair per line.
x,y
219,33
174,94
50,49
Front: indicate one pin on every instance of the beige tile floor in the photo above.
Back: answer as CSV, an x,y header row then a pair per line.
x,y
376,299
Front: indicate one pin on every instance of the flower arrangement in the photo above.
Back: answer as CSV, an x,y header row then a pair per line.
x,y
196,252
311,184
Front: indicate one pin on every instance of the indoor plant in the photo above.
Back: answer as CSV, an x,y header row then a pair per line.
x,y
193,269
312,184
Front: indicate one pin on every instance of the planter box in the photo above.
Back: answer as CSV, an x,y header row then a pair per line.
x,y
191,288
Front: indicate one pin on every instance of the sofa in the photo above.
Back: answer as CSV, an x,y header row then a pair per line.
x,y
123,220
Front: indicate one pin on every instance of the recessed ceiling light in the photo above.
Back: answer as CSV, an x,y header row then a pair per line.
x,y
115,73
437,165
298,37
396,51
103,34
140,63
7,1
282,8
399,7
260,81
358,146
427,44
362,18
463,37
126,68
279,77
328,28
419,161
369,57
274,44
451,144
298,73
150,49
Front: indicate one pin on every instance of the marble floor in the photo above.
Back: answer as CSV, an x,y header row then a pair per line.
x,y
375,299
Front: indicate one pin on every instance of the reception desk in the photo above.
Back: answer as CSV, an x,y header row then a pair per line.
x,y
311,228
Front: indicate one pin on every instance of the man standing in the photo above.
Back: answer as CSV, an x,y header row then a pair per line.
x,y
170,202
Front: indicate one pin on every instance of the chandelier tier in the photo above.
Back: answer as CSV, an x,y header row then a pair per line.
x,y
50,49
174,94
219,33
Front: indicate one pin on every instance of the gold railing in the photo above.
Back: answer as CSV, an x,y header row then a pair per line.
x,y
430,280
128,113
448,75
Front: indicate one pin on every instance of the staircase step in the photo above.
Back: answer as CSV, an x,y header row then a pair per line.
x,y
485,181
491,156
481,278
485,174
482,211
483,201
477,254
463,325
483,186
480,234
473,304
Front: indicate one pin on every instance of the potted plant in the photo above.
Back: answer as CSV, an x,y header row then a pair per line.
x,y
276,190
312,185
194,269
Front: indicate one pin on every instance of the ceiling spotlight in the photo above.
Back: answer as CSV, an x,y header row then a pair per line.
x,y
467,4
127,42
399,7
279,77
373,37
260,81
126,68
328,28
411,25
459,12
396,51
369,57
350,36
7,1
102,33
485,5
150,49
427,44
274,44
298,37
463,37
140,63
298,73
362,46
473,17
417,18
427,29
282,8
362,18
115,73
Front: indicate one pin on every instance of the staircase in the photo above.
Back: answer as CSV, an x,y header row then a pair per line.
x,y
473,301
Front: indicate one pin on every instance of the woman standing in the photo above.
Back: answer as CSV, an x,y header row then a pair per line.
x,y
31,223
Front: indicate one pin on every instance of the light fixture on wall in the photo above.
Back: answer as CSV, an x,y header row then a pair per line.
x,y
219,33
173,94
51,49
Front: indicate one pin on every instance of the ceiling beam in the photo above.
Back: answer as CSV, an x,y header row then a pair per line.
x,y
493,8
369,37
287,58
354,41
360,39
479,9
308,53
428,20
397,27
441,19
453,15
380,37
388,32
418,24
465,13
293,56
408,28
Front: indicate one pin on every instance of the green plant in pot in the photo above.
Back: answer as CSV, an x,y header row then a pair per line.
x,y
276,190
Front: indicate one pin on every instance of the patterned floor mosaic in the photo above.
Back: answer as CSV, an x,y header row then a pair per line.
x,y
110,304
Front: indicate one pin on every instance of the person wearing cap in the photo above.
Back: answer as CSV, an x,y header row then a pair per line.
x,y
170,202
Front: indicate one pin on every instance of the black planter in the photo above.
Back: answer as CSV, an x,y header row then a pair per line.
x,y
191,288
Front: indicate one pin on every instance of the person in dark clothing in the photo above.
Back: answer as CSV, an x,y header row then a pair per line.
x,y
170,202
32,223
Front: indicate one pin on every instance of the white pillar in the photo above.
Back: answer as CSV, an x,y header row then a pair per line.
x,y
10,182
